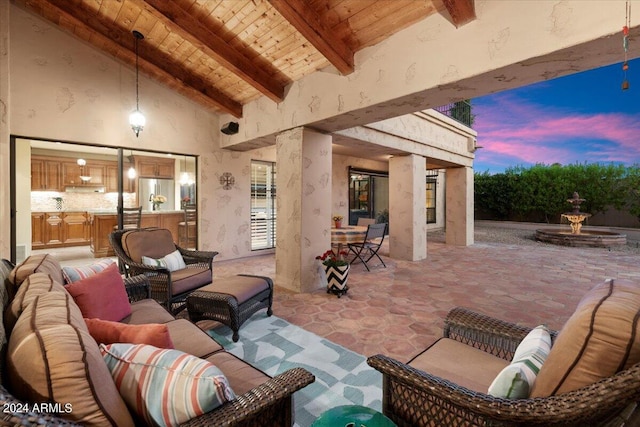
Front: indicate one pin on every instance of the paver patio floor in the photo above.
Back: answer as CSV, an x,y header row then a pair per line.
x,y
399,310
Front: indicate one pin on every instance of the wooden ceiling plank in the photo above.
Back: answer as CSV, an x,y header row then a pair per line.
x,y
118,40
213,45
109,10
461,11
128,15
311,27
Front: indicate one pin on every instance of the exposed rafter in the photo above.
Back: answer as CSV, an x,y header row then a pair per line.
x,y
251,71
113,39
224,54
461,11
307,22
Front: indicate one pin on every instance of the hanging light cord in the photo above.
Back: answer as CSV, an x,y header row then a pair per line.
x,y
137,97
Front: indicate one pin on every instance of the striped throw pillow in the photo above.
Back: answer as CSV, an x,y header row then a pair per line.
x,y
73,274
171,262
165,387
516,380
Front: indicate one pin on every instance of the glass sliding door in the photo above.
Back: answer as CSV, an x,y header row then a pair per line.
x,y
368,195
67,197
263,205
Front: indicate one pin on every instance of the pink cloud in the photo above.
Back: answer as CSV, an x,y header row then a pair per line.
x,y
529,133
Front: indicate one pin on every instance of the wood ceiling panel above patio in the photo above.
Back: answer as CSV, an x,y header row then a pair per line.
x,y
226,53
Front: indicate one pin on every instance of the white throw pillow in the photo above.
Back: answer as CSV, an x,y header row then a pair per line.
x,y
516,380
171,262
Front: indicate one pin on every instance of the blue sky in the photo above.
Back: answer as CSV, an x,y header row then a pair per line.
x,y
584,117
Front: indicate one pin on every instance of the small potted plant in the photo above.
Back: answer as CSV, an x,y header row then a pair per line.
x,y
336,268
337,219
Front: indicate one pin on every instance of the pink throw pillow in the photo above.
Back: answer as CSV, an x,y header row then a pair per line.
x,y
108,332
102,295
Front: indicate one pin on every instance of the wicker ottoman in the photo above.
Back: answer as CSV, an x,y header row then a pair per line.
x,y
231,300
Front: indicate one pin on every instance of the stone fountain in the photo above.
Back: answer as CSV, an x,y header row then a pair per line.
x,y
575,217
577,236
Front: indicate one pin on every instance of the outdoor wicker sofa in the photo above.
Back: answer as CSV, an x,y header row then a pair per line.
x,y
260,400
413,397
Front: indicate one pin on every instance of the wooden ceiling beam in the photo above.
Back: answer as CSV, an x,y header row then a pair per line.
x,y
308,23
112,39
461,11
186,26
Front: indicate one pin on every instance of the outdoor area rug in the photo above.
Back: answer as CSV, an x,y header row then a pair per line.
x,y
275,345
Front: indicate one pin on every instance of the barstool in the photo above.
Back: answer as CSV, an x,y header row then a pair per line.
x,y
187,229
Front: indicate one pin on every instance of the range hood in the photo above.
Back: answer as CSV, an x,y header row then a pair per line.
x,y
84,189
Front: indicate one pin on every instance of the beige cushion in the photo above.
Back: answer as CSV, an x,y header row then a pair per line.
x,y
243,288
34,285
241,376
42,263
600,338
50,359
147,311
150,242
189,279
460,364
187,337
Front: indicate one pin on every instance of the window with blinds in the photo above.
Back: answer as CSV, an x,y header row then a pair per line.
x,y
263,205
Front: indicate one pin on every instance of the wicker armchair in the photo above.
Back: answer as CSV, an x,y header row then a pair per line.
x,y
415,398
169,288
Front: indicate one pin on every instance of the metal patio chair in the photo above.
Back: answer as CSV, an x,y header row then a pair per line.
x,y
370,246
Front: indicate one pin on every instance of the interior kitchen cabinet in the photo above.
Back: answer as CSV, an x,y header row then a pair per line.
x,y
95,169
155,167
45,174
59,229
111,181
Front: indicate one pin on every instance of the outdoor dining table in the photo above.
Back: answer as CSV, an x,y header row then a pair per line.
x,y
345,235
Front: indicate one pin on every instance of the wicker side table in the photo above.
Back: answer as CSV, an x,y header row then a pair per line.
x,y
231,300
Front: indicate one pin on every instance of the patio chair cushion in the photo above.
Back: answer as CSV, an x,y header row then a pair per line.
x,y
108,332
601,338
150,242
171,262
73,274
41,263
52,358
102,295
34,285
190,278
460,364
165,387
517,379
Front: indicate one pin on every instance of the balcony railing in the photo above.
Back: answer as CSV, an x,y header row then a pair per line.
x,y
459,111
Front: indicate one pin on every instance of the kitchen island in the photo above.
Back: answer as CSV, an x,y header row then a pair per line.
x,y
101,224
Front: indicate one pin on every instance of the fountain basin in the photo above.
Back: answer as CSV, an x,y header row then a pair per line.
x,y
586,238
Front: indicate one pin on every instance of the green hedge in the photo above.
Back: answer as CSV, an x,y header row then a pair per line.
x,y
539,193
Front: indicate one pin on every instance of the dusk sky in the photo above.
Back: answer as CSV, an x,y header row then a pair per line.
x,y
584,117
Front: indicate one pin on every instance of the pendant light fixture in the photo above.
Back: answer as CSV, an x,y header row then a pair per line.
x,y
184,177
131,173
136,119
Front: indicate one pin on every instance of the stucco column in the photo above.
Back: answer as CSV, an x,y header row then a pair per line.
x,y
407,214
5,218
459,211
303,183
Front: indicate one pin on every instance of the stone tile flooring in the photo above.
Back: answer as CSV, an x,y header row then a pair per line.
x,y
399,310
